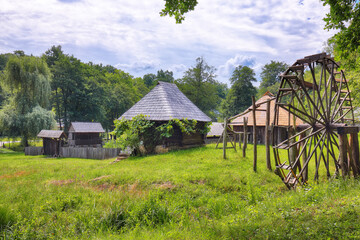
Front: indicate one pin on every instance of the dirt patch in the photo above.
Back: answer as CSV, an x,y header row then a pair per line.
x,y
62,182
17,174
200,182
166,185
99,178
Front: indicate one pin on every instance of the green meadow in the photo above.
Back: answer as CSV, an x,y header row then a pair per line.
x,y
188,194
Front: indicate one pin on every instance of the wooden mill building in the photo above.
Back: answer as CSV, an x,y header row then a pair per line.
x,y
53,140
166,102
260,114
83,134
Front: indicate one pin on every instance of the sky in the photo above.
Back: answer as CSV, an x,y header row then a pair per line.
x,y
132,36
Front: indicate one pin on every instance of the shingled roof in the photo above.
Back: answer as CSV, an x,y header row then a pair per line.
x,y
216,129
260,114
51,134
86,127
165,102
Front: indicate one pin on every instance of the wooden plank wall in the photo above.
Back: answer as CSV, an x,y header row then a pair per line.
x,y
79,152
33,151
89,152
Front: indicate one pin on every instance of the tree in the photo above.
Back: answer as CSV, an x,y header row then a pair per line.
x,y
344,16
165,76
149,79
270,77
199,85
28,80
239,96
177,8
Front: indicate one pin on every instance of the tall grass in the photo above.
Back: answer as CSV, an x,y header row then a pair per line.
x,y
189,194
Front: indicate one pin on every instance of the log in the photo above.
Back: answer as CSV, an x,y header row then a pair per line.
x,y
354,143
225,138
267,140
245,137
343,155
254,134
304,157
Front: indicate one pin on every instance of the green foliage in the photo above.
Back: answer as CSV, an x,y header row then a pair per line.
x,y
270,77
239,96
90,92
186,126
6,219
344,16
177,8
131,133
26,113
141,131
200,86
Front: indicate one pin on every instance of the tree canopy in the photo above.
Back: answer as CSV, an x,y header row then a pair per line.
x,y
270,77
200,86
27,111
344,16
177,8
239,96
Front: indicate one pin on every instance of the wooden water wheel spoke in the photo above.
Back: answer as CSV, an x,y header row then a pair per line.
x,y
318,104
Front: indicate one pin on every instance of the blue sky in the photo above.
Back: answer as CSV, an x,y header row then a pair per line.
x,y
131,35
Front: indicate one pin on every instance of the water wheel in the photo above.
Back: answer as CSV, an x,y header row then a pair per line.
x,y
315,102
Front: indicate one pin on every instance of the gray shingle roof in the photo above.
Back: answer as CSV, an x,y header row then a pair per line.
x,y
86,127
165,102
216,129
51,134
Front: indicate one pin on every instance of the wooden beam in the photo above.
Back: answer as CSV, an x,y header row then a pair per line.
x,y
347,129
267,139
225,138
343,155
245,136
254,134
354,143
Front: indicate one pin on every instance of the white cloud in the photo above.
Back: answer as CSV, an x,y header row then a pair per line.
x,y
132,35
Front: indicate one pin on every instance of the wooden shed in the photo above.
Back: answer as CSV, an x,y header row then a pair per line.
x,y
260,113
216,130
83,134
52,141
165,102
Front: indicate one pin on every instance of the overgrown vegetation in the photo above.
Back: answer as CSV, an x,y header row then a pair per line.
x,y
139,131
188,194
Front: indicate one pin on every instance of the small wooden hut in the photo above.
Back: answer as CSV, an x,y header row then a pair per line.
x,y
165,102
216,130
52,141
260,114
83,134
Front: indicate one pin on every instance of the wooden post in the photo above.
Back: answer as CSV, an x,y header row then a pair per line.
x,y
240,136
304,157
354,143
343,155
245,137
225,138
254,133
267,140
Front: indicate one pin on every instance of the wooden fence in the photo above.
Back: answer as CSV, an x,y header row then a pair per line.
x,y
79,152
33,151
89,152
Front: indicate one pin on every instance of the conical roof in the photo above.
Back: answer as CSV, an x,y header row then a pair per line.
x,y
165,102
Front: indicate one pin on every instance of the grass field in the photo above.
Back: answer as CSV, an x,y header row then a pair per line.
x,y
189,194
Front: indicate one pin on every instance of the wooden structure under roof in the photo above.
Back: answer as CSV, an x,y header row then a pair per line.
x,y
165,102
280,129
52,141
85,134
